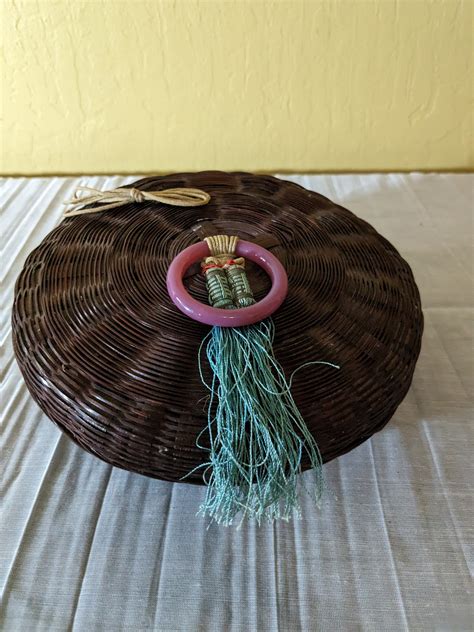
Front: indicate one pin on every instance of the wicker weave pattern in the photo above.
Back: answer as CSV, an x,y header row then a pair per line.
x,y
110,360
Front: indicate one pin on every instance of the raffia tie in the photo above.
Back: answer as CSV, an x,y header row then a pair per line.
x,y
108,200
222,249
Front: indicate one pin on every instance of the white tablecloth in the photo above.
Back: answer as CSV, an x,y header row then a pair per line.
x,y
87,547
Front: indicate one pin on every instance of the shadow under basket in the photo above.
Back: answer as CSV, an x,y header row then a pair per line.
x,y
109,358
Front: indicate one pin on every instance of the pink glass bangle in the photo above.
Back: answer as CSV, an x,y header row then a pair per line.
x,y
227,317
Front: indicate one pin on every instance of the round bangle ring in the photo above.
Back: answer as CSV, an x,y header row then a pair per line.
x,y
227,317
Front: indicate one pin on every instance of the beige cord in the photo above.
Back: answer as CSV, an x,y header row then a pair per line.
x,y
222,245
119,197
222,249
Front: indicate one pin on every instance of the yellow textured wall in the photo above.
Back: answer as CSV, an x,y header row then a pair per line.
x,y
152,86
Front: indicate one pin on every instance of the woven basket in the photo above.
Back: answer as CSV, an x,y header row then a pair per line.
x,y
113,363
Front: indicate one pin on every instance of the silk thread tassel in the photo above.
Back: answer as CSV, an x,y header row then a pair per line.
x,y
256,433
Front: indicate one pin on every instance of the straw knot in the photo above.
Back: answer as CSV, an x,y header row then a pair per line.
x,y
136,195
107,200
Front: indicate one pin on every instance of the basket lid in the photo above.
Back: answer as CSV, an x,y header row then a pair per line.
x,y
110,359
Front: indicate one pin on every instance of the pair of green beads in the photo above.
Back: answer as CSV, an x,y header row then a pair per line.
x,y
227,283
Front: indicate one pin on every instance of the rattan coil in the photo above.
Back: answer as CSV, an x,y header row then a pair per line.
x,y
113,363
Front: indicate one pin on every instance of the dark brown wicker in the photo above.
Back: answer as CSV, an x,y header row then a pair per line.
x,y
113,363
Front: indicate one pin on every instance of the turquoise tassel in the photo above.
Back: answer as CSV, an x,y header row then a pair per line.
x,y
257,434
